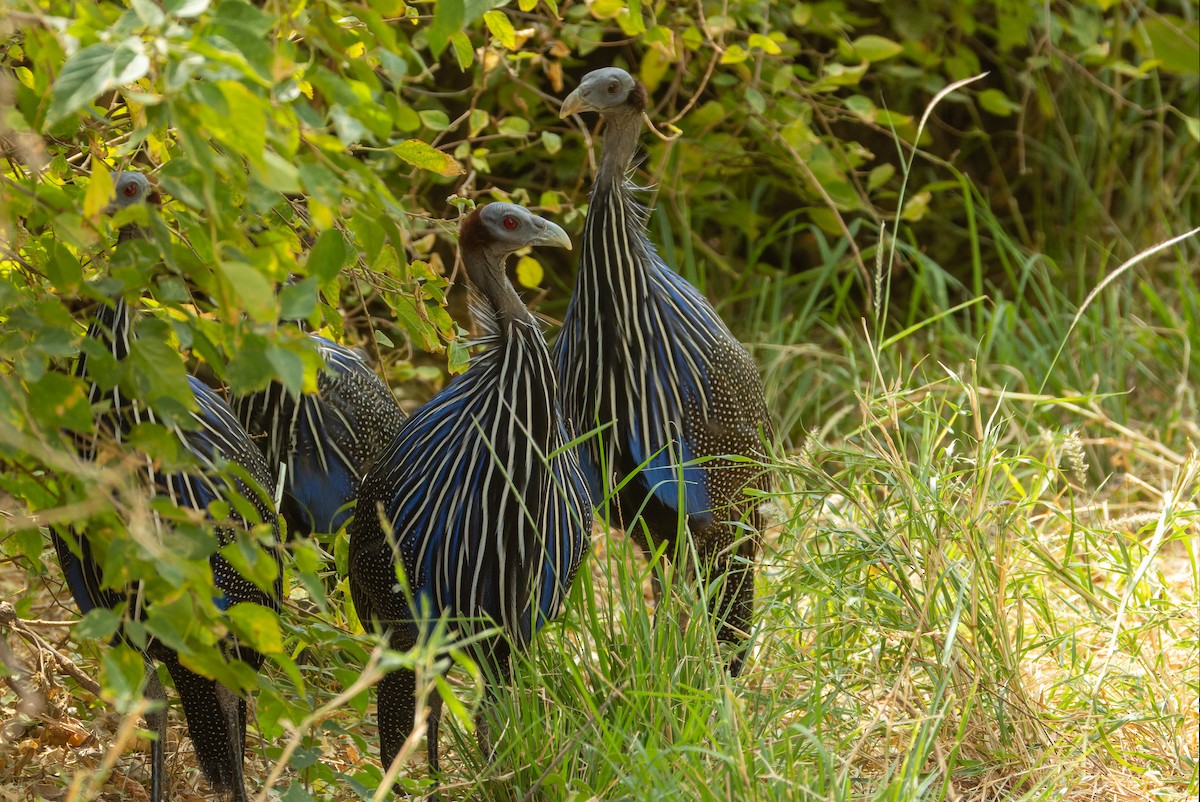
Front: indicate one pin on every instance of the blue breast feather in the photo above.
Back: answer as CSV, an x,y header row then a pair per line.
x,y
450,527
681,357
219,439
322,483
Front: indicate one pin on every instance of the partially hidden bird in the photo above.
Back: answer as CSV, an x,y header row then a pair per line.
x,y
323,442
674,401
215,441
479,502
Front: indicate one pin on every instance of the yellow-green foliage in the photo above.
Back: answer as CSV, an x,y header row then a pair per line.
x,y
983,584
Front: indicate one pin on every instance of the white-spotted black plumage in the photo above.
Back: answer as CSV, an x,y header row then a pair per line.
x,y
644,359
479,499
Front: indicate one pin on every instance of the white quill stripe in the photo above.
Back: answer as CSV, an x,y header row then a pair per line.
x,y
487,478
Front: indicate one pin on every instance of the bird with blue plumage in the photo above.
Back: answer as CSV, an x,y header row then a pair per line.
x,y
323,442
479,504
675,403
222,466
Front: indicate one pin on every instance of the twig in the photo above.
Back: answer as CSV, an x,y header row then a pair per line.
x,y
31,703
8,618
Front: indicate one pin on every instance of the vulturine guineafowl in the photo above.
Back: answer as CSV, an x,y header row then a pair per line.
x,y
216,716
478,500
324,441
677,401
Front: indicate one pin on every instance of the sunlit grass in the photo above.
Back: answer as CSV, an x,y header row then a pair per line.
x,y
984,580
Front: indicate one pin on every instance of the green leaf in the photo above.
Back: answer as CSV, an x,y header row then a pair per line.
x,y
876,48
173,621
280,174
288,365
457,357
63,267
1193,127
61,401
249,369
448,19
99,192
247,557
296,793
259,626
30,545
427,157
861,106
254,292
158,371
513,126
529,272
308,569
879,176
123,672
297,301
464,54
552,142
435,119
606,9
100,623
327,256
497,22
916,206
734,54
997,103
1173,41
758,41
93,71
245,127
150,14
835,75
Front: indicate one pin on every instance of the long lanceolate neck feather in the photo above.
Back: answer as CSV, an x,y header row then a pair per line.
x,y
111,326
509,496
642,311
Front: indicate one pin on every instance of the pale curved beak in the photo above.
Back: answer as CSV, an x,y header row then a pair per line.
x,y
554,236
574,104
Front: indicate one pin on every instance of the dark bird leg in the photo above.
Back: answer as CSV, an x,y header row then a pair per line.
x,y
233,710
431,732
732,608
397,711
497,671
213,721
397,708
156,722
483,728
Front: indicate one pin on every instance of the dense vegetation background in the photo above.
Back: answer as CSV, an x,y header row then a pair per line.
x,y
984,581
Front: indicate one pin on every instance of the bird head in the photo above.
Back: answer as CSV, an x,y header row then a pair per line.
x,y
130,187
504,228
610,90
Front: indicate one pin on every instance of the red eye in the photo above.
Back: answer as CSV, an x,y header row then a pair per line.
x,y
510,222
130,190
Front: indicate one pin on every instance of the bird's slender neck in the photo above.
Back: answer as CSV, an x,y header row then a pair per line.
x,y
621,133
486,271
112,325
130,231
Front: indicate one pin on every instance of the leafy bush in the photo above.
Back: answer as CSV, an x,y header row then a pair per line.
x,y
793,179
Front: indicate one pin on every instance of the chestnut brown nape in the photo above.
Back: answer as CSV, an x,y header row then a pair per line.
x,y
472,233
639,97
